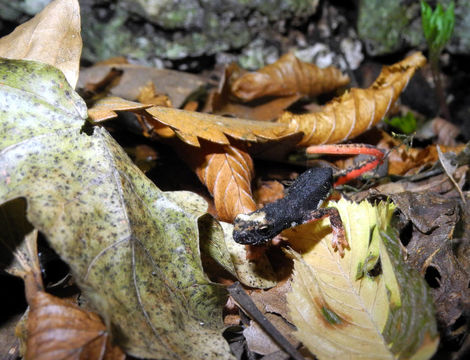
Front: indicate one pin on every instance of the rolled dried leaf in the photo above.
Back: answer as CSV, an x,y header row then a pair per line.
x,y
288,76
356,111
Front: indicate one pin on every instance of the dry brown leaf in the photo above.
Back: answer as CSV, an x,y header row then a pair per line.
x,y
190,125
149,95
106,108
177,85
221,102
52,37
288,76
402,159
227,172
228,177
58,329
356,111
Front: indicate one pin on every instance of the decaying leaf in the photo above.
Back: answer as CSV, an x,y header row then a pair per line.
x,y
288,76
106,108
438,251
132,248
403,159
367,304
190,125
356,111
177,85
52,36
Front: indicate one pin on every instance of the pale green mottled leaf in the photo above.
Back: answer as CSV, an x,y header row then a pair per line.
x,y
132,248
341,312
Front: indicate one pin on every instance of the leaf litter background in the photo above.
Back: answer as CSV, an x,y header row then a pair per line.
x,y
134,249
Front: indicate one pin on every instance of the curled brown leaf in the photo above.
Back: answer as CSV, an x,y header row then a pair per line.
x,y
356,111
288,76
58,329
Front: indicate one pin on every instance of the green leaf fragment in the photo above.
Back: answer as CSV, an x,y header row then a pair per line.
x,y
133,249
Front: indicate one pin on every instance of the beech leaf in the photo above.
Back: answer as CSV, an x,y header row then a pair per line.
x,y
132,248
227,172
288,76
191,125
367,304
356,111
52,36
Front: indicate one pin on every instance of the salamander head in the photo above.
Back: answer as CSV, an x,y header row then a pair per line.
x,y
252,229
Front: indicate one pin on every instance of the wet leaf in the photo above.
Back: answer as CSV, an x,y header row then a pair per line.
x,y
59,329
132,248
52,37
367,304
357,110
190,125
288,76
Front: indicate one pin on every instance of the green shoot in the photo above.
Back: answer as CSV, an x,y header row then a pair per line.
x,y
438,26
405,124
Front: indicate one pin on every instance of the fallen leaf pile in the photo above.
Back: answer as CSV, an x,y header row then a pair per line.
x,y
149,268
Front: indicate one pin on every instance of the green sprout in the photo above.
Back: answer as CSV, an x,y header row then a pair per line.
x,y
405,124
438,26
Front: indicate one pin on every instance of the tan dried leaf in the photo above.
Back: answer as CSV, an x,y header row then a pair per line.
x,y
356,111
227,172
288,76
149,95
106,108
221,101
58,329
52,36
190,125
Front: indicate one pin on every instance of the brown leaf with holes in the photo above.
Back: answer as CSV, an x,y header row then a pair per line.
x,y
356,111
106,108
58,329
52,37
288,76
191,125
227,172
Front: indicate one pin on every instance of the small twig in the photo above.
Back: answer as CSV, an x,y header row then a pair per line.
x,y
249,307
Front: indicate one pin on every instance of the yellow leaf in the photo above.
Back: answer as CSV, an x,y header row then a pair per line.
x,y
341,308
52,37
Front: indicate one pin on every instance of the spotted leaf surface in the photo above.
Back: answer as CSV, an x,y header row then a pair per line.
x,y
132,248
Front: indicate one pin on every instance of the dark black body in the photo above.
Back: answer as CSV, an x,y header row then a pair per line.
x,y
304,196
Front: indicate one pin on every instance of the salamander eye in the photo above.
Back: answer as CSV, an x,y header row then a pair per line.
x,y
263,230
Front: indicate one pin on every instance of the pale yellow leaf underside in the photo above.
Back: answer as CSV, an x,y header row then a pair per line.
x,y
326,282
